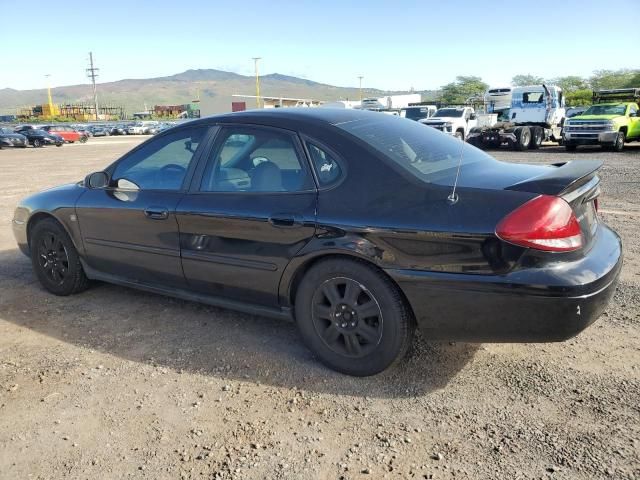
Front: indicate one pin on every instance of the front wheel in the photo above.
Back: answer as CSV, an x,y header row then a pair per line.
x,y
459,134
55,260
618,145
353,317
83,139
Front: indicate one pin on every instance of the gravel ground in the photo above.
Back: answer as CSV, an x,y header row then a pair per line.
x,y
115,383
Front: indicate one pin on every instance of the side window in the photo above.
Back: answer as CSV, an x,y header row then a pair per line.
x,y
254,160
633,109
326,166
162,163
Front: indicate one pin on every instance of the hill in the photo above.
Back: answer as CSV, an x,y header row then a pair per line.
x,y
215,88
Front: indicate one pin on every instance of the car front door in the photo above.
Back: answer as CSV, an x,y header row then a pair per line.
x,y
634,122
129,229
250,209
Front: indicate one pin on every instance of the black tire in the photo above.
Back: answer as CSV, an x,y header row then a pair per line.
x,y
83,139
37,143
369,325
523,138
55,260
618,145
459,134
569,147
536,138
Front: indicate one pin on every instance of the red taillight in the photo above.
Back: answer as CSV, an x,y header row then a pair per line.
x,y
544,223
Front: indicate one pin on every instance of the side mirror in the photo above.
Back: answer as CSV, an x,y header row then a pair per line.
x,y
97,180
633,114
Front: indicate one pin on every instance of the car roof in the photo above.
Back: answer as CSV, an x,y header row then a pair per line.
x,y
308,116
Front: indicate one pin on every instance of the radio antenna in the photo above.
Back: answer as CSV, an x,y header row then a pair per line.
x,y
453,196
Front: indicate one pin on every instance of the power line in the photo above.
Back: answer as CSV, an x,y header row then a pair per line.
x,y
91,73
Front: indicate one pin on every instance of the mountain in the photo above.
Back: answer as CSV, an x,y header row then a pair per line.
x,y
215,88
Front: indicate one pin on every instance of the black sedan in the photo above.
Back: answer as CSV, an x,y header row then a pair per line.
x,y
40,138
358,225
9,138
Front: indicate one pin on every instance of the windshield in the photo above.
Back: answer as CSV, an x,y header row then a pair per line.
x,y
606,110
5,130
417,148
449,112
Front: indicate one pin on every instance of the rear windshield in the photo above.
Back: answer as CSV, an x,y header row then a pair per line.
x,y
419,149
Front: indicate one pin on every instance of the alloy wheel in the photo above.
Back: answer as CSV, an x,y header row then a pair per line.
x,y
347,317
53,258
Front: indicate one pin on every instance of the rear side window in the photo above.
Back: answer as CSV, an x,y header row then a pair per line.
x,y
249,159
421,150
327,168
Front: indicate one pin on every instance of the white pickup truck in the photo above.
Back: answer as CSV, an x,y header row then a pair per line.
x,y
455,121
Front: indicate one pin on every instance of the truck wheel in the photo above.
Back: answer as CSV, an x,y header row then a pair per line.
x,y
523,138
618,145
536,138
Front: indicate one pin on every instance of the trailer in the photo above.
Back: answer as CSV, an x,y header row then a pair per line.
x,y
535,115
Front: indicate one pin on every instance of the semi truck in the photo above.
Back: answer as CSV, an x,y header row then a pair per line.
x,y
536,114
612,120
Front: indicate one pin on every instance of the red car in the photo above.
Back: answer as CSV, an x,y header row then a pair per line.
x,y
69,134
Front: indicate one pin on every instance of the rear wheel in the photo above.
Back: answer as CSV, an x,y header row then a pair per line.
x,y
523,138
536,138
55,260
353,317
83,139
37,143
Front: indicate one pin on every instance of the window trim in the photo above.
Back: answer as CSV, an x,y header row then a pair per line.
x,y
196,181
338,158
209,132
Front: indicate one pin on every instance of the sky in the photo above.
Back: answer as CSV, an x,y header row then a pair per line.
x,y
394,45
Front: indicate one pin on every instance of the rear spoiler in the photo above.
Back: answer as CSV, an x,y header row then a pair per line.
x,y
561,178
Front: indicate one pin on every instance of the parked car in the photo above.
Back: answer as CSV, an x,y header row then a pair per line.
x,y
136,129
574,111
8,138
40,138
68,134
359,226
99,131
119,129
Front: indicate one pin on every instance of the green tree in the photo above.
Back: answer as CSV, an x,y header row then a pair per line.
x,y
577,98
634,82
605,79
528,79
571,83
462,89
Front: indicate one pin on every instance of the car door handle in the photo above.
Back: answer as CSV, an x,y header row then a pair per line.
x,y
285,220
156,213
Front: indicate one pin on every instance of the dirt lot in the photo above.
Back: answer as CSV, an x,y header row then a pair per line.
x,y
114,383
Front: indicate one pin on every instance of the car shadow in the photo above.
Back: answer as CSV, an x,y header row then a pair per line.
x,y
187,336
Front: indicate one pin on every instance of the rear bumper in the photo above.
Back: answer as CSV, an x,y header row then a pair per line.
x,y
530,305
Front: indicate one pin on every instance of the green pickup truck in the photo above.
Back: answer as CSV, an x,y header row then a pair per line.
x,y
612,120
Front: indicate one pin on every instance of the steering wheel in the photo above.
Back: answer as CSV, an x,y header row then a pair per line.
x,y
170,175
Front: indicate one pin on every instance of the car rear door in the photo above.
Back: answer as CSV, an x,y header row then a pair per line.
x,y
250,209
129,229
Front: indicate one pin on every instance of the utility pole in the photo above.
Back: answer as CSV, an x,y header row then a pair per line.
x,y
47,76
255,64
360,77
91,73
